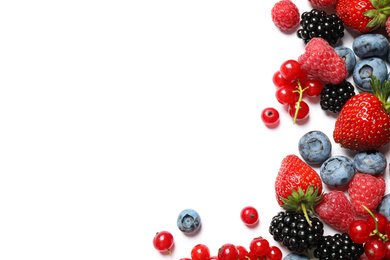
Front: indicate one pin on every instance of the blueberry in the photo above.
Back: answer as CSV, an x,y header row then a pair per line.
x,y
314,147
188,221
293,256
373,163
365,68
384,206
347,55
337,171
370,45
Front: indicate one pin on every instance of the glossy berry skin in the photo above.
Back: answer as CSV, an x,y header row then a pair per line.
x,y
314,87
243,254
314,147
348,55
249,216
337,171
200,252
367,67
286,95
371,162
352,14
227,252
359,231
259,246
387,256
279,81
381,221
290,69
303,111
188,221
270,116
163,242
274,254
375,249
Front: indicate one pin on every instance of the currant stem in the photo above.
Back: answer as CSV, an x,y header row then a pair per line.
x,y
298,106
383,237
305,213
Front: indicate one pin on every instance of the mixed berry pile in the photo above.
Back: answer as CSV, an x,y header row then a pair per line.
x,y
352,82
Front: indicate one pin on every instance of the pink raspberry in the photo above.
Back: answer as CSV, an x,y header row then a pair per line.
x,y
321,61
285,15
367,190
323,3
388,26
336,210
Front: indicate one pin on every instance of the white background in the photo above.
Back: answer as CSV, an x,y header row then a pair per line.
x,y
116,115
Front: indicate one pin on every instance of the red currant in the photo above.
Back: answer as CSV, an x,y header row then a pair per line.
x,y
249,216
200,252
286,95
381,220
303,110
274,254
259,246
313,87
185,259
278,80
270,116
227,252
212,258
359,231
290,70
163,241
387,229
375,249
243,254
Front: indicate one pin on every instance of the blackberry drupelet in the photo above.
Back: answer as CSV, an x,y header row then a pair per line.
x,y
318,24
293,231
338,246
333,97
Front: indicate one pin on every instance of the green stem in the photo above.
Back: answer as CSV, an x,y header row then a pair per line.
x,y
305,213
383,237
298,103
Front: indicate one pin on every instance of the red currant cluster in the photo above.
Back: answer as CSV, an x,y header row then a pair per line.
x,y
374,233
292,83
259,248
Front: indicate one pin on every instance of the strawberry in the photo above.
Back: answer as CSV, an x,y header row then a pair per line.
x,y
298,187
363,123
363,15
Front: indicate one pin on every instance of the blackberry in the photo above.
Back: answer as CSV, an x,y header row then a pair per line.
x,y
318,24
338,246
333,97
291,229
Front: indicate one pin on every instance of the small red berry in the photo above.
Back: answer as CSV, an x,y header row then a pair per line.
x,y
285,15
359,231
286,95
227,252
303,111
290,70
200,252
274,254
375,249
259,246
249,216
314,87
163,241
270,116
381,221
243,254
279,81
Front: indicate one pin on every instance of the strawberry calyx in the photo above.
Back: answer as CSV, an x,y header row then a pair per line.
x,y
379,14
302,201
381,91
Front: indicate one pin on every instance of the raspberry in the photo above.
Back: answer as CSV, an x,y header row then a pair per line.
x,y
285,15
321,61
367,190
336,210
388,26
323,3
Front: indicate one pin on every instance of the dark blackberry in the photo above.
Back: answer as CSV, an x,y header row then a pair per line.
x,y
338,246
293,231
333,97
318,24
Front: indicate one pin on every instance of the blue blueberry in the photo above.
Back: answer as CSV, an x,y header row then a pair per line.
x,y
384,206
293,256
370,45
314,147
365,68
188,221
373,163
337,171
347,55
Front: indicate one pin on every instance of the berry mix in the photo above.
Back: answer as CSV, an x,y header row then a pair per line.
x,y
356,205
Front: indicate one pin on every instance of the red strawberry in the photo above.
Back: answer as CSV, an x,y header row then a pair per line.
x,y
363,15
285,15
367,190
363,123
336,210
297,185
321,61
